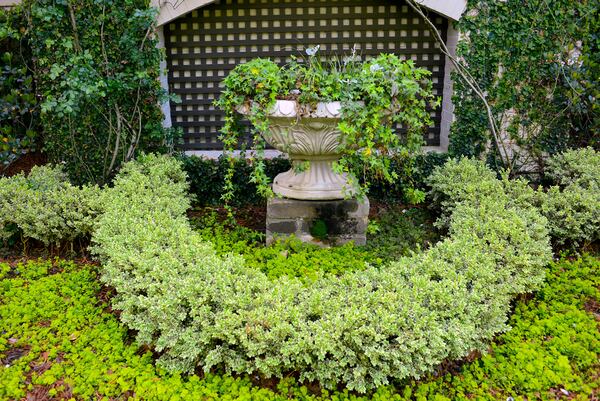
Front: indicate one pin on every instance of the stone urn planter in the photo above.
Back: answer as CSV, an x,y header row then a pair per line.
x,y
308,134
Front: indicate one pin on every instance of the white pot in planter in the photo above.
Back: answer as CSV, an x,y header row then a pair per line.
x,y
308,134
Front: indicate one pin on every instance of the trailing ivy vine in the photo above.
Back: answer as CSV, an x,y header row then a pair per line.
x,y
538,63
376,95
96,68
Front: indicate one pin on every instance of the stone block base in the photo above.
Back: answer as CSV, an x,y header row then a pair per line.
x,y
328,222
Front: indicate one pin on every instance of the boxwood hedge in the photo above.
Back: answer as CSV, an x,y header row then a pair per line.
x,y
572,205
45,206
361,329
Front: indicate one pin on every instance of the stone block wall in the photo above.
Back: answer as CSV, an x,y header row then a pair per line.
x,y
332,222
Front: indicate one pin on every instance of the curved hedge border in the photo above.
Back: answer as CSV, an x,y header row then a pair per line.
x,y
360,329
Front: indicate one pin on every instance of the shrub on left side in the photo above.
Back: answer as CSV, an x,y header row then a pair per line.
x,y
45,206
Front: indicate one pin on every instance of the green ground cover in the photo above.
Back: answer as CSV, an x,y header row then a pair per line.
x,y
59,340
63,335
395,232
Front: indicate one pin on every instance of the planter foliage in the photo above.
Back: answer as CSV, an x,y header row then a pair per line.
x,y
375,95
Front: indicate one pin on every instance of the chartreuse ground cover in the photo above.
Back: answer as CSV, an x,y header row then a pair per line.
x,y
396,232
59,340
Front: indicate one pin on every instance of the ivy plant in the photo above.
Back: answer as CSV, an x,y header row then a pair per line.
x,y
96,67
19,107
376,96
538,63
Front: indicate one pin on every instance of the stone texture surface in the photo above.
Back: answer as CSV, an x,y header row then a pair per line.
x,y
345,220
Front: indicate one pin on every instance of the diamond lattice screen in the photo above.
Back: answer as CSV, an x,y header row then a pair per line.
x,y
204,45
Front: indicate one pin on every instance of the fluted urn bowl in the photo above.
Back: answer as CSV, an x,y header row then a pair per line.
x,y
310,134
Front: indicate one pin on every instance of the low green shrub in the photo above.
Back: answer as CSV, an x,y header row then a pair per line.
x,y
394,233
462,180
576,166
361,329
573,214
573,205
57,340
46,207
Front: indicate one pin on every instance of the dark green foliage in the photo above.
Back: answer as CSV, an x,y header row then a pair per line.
x,y
319,229
96,68
59,336
398,232
402,190
19,108
524,55
207,179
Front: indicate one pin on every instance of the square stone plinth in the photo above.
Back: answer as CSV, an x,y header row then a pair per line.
x,y
333,222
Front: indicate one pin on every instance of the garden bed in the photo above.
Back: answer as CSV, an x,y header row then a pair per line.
x,y
58,342
211,300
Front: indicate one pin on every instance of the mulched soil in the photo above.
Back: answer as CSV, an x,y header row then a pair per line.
x,y
12,354
25,163
593,306
15,259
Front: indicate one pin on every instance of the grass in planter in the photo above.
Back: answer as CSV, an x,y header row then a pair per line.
x,y
58,341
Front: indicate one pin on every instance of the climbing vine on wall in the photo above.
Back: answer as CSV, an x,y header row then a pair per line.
x,y
538,62
96,71
19,107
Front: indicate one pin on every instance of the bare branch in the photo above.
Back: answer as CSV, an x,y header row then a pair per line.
x,y
74,27
471,82
117,140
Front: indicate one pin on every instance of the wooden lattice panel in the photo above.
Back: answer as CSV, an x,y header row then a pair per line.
x,y
204,45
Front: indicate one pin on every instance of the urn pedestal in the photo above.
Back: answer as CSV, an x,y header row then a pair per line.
x,y
308,135
312,193
344,220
